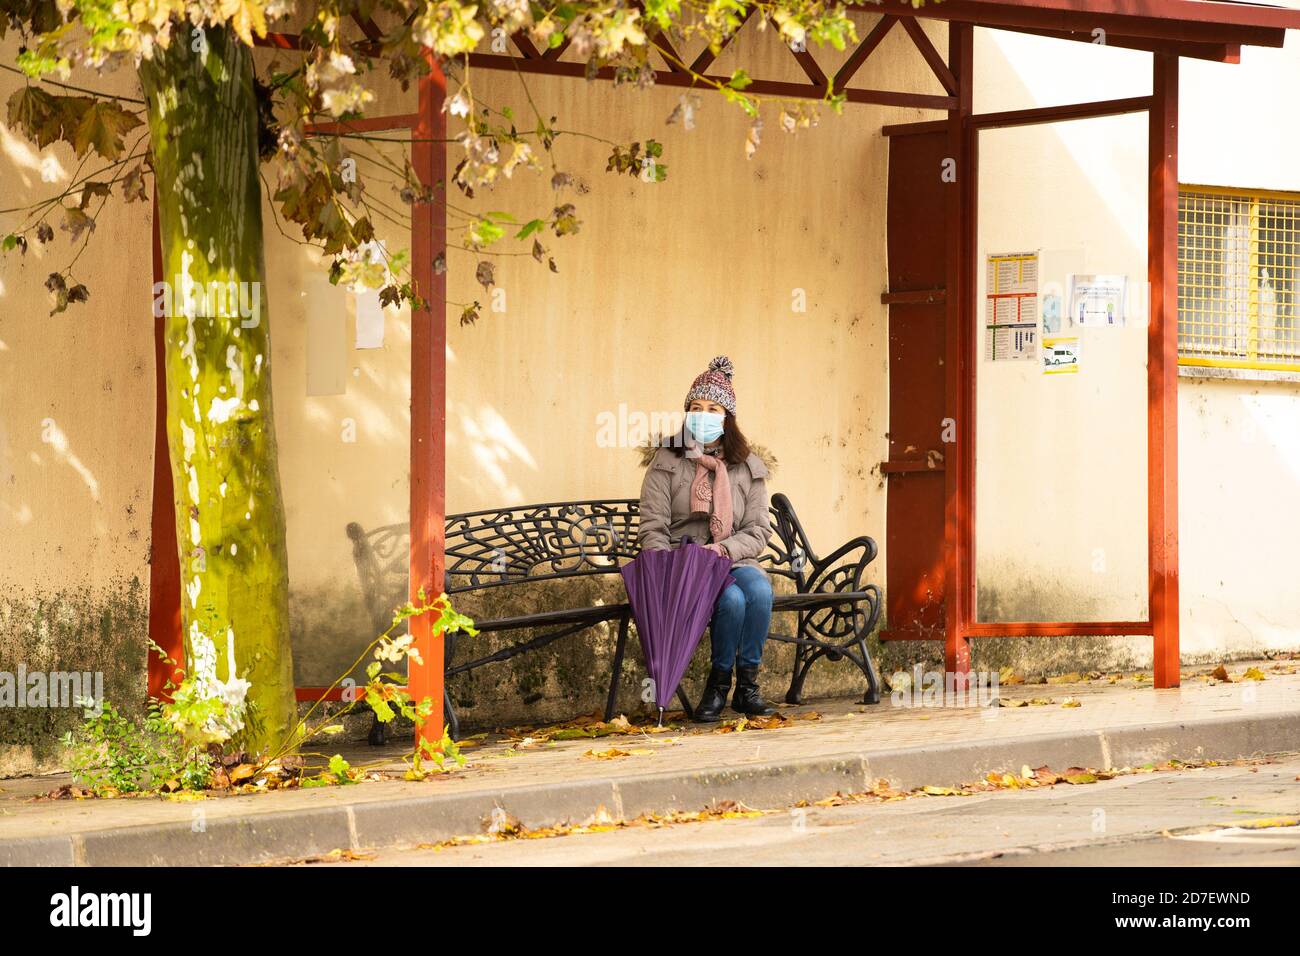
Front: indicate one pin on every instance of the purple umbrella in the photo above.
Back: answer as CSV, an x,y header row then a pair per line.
x,y
672,595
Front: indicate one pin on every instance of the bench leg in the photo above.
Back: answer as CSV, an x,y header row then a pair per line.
x,y
377,736
686,704
872,696
449,717
612,699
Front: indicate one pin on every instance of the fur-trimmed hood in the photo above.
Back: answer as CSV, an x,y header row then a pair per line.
x,y
646,453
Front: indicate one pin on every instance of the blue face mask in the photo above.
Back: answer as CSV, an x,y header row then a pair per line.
x,y
705,426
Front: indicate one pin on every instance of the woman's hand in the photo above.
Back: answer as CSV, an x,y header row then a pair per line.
x,y
717,549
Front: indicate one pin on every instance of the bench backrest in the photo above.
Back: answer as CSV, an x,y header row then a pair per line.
x,y
487,549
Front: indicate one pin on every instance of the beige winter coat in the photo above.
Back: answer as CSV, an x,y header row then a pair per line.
x,y
665,507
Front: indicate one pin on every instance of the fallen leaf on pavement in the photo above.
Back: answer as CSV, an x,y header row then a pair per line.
x,y
613,753
1269,823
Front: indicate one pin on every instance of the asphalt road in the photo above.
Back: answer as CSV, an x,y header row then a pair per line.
x,y
1179,818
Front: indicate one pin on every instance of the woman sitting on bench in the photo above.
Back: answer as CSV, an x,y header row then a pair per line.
x,y
707,483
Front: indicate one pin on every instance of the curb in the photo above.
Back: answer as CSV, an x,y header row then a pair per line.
x,y
295,834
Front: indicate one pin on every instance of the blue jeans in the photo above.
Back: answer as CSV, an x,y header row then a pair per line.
x,y
741,618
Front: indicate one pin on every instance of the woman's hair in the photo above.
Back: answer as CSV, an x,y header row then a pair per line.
x,y
735,446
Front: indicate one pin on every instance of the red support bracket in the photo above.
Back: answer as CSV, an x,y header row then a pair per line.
x,y
931,55
863,51
707,56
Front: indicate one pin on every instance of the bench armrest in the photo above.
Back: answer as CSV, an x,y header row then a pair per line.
x,y
839,574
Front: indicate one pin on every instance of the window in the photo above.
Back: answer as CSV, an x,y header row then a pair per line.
x,y
1238,259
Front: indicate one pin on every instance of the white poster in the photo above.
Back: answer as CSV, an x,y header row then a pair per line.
x,y
1097,300
370,320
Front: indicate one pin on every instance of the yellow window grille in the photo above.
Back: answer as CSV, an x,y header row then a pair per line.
x,y
1238,259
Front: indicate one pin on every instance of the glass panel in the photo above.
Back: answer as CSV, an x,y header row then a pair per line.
x,y
1061,469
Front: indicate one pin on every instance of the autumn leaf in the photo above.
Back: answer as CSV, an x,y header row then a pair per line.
x,y
36,113
1253,673
75,222
102,128
92,189
612,753
1221,673
1268,823
245,18
241,773
1045,776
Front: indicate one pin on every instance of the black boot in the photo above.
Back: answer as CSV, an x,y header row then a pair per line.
x,y
747,700
714,699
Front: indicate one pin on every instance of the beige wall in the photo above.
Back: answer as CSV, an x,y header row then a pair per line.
x,y
76,446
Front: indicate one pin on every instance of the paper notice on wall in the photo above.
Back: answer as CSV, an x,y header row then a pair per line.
x,y
1096,300
370,320
1011,307
369,311
1060,354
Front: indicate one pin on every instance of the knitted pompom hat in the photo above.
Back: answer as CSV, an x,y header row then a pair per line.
x,y
714,385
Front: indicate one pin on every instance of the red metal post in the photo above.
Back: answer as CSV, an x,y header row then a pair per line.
x,y
164,562
428,393
1162,368
960,368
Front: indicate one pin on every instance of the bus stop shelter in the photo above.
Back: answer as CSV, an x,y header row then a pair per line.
x,y
1168,29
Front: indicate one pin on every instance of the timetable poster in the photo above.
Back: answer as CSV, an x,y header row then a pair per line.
x,y
1011,307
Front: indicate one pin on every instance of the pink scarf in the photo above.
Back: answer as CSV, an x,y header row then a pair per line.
x,y
712,498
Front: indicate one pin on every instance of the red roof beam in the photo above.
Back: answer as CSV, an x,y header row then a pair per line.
x,y
1006,15
1229,13
493,61
1214,52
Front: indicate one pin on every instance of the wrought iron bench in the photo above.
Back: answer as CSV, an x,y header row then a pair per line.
x,y
511,546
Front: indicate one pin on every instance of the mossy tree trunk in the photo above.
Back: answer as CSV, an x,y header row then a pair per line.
x,y
229,512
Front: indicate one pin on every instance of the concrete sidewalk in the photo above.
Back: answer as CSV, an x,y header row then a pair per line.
x,y
845,747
